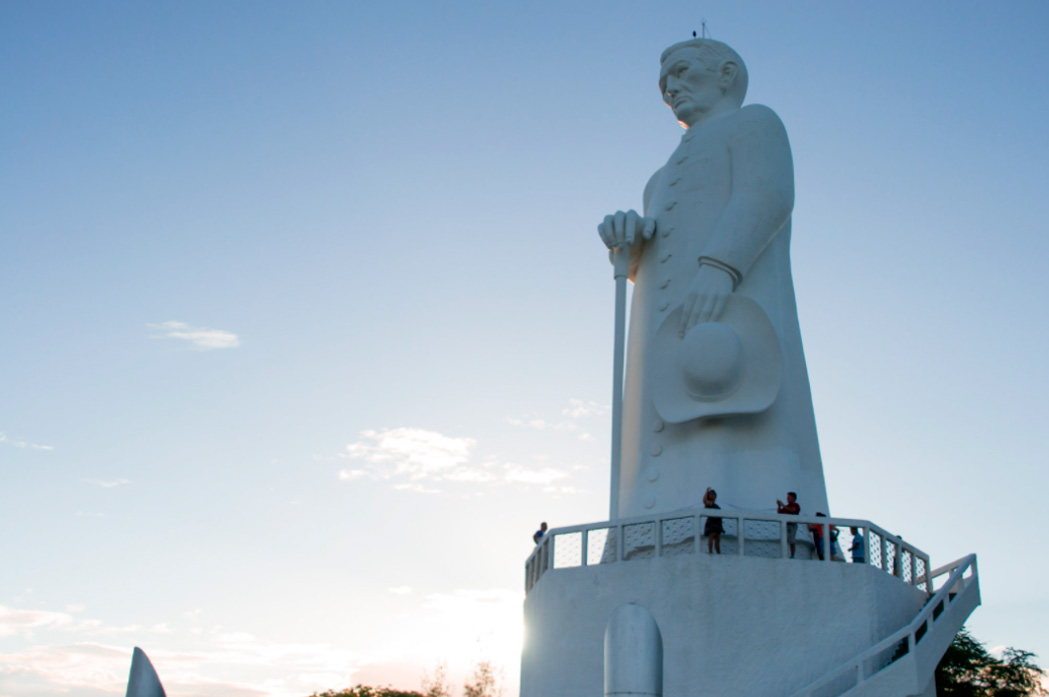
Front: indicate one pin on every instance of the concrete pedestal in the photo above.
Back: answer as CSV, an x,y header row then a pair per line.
x,y
731,626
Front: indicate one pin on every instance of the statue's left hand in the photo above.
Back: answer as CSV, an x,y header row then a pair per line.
x,y
706,297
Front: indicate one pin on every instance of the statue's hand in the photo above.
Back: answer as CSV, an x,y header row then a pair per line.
x,y
706,297
626,229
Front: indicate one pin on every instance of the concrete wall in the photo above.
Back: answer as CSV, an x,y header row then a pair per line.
x,y
731,626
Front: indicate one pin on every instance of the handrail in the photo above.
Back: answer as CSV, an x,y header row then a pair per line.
x,y
909,633
542,558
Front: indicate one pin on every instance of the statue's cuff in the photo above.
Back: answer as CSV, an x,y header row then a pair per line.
x,y
736,276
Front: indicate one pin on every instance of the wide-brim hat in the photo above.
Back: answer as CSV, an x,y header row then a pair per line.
x,y
732,366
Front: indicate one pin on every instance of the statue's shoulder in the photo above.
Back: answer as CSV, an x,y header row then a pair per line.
x,y
757,116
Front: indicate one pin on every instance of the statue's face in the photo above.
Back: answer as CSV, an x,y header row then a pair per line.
x,y
690,88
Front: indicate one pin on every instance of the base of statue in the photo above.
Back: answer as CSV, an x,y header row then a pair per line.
x,y
681,622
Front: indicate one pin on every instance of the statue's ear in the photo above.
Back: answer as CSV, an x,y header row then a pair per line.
x,y
726,75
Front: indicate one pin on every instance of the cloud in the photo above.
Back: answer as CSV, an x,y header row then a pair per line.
x,y
200,337
248,669
542,424
413,454
414,459
578,407
24,444
219,664
545,475
401,590
14,621
108,484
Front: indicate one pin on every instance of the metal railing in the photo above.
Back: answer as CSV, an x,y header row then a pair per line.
x,y
957,588
764,534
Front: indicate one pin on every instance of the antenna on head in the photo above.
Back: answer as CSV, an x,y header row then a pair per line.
x,y
705,33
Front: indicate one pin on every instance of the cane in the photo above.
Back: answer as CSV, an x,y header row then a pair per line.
x,y
620,269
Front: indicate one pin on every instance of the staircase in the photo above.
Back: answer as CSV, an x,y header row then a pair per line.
x,y
904,663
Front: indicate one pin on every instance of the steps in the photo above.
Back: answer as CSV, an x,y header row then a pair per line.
x,y
904,663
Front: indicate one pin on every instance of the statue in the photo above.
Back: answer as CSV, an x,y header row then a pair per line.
x,y
716,391
143,680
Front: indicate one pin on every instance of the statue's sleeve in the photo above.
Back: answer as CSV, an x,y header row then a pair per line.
x,y
762,190
639,250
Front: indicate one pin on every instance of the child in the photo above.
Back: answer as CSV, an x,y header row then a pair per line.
x,y
713,527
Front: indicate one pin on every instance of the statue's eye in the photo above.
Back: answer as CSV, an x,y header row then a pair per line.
x,y
681,71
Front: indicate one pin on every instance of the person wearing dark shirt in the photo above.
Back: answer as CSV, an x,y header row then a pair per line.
x,y
540,533
713,526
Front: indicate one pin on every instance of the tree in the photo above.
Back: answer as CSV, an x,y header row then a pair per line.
x,y
967,669
436,685
484,682
365,691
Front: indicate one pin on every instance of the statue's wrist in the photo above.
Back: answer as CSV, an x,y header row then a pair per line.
x,y
735,275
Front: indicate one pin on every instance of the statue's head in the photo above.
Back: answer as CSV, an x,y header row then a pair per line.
x,y
701,77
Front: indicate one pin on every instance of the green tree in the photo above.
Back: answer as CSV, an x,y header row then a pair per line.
x,y
365,691
967,669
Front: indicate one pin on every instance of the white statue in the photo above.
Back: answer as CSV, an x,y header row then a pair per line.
x,y
716,391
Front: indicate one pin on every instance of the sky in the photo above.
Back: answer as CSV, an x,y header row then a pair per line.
x,y
306,324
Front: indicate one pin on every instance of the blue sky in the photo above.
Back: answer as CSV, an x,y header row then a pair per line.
x,y
307,323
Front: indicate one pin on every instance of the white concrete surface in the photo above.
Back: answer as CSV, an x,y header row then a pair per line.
x,y
731,626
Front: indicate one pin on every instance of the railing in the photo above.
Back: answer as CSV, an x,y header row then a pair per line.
x,y
680,532
851,674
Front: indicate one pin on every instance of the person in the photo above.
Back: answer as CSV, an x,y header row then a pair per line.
x,y
835,549
715,227
817,535
713,527
857,545
791,507
540,533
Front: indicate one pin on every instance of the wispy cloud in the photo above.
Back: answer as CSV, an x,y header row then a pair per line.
x,y
578,407
415,459
414,454
24,444
401,590
64,656
544,475
199,337
13,621
542,424
108,484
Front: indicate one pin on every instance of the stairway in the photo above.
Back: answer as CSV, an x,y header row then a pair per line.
x,y
904,663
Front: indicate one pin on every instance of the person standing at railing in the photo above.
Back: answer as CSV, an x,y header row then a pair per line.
x,y
791,507
835,549
817,535
713,527
857,546
540,533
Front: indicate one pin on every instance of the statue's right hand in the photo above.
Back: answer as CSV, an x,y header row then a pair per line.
x,y
626,229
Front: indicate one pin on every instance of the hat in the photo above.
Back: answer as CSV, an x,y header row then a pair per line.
x,y
732,366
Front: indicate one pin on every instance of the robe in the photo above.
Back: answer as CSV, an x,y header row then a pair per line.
x,y
726,192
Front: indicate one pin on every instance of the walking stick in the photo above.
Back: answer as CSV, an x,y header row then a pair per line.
x,y
621,267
